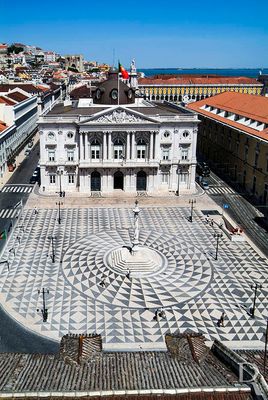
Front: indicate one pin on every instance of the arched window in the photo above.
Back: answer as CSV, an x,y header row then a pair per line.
x,y
95,150
118,149
141,149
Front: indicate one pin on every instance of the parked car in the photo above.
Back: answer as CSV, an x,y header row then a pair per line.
x,y
36,176
203,169
27,152
205,185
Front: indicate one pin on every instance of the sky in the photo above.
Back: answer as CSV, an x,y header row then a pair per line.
x,y
174,33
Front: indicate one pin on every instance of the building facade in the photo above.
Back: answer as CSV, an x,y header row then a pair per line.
x,y
233,136
115,141
18,110
194,88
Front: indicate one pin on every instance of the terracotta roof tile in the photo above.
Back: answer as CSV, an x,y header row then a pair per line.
x,y
17,96
7,101
3,126
197,80
247,105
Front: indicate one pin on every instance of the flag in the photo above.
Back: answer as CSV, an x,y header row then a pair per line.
x,y
124,73
3,235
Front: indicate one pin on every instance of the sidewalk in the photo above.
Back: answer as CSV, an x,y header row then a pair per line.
x,y
18,160
122,199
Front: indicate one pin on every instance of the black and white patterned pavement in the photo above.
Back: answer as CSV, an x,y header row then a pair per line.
x,y
87,296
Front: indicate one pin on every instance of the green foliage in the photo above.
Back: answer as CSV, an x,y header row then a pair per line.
x,y
14,49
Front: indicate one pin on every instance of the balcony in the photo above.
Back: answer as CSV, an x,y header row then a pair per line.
x,y
118,163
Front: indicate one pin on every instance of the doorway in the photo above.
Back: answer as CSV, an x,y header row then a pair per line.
x,y
95,181
141,180
118,180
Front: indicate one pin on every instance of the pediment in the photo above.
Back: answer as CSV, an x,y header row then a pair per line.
x,y
118,115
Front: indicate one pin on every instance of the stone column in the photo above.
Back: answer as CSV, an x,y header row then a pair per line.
x,y
151,146
133,145
109,145
86,146
81,147
104,146
156,145
128,146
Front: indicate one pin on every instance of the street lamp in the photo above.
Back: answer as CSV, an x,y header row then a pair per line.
x,y
192,202
60,173
217,236
59,204
256,286
44,309
178,187
52,238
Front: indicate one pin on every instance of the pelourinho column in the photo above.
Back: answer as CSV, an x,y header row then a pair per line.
x,y
136,242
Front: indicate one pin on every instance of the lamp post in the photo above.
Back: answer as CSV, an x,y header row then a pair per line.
x,y
52,238
178,187
192,202
44,309
59,204
217,236
256,286
59,173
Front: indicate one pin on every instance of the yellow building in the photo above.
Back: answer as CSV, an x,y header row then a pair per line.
x,y
189,88
233,135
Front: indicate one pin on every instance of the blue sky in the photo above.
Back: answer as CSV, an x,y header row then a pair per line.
x,y
156,33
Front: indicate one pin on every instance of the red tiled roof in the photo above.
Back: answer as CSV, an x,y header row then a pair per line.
x,y
27,87
4,100
3,126
17,96
197,80
247,105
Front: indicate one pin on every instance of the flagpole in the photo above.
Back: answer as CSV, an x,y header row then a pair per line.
x,y
118,86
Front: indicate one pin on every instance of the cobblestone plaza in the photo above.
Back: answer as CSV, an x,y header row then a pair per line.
x,y
86,295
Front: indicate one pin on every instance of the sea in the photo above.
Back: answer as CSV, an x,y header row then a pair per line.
x,y
248,72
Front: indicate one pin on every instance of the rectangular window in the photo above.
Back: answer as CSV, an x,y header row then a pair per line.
x,y
52,179
165,154
165,177
70,155
246,154
118,154
71,179
184,154
141,153
256,159
95,154
51,155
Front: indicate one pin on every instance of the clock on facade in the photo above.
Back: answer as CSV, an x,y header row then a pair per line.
x,y
114,94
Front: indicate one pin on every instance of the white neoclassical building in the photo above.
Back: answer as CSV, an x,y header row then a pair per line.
x,y
117,141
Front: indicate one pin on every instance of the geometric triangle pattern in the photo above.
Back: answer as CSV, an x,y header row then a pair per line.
x,y
86,295
187,271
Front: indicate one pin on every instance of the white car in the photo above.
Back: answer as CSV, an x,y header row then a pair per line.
x,y
205,185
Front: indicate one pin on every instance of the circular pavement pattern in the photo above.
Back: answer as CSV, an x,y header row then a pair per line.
x,y
187,274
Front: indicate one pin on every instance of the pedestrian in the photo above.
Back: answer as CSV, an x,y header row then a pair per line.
x,y
211,222
102,283
35,210
221,320
155,316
